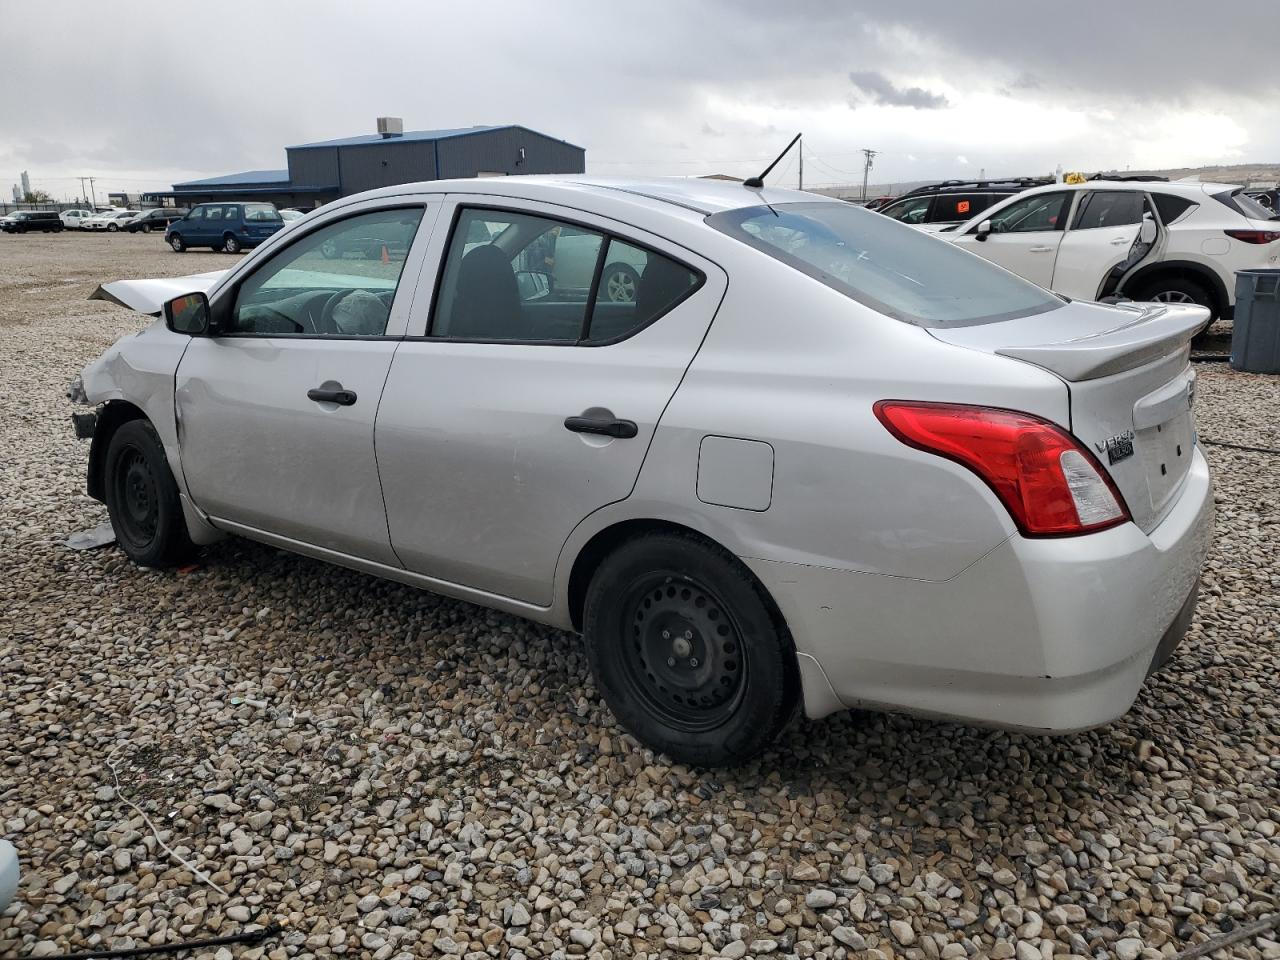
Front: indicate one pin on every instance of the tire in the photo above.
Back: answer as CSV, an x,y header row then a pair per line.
x,y
1177,289
329,249
179,245
230,244
620,283
686,652
112,228
142,498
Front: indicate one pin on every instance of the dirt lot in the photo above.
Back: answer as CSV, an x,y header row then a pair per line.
x,y
391,774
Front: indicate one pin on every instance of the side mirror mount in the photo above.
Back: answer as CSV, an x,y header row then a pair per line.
x,y
1147,232
983,231
188,314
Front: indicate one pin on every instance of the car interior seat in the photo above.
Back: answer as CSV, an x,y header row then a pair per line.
x,y
487,303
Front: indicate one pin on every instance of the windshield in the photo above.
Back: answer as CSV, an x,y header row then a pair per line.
x,y
260,211
901,272
1240,201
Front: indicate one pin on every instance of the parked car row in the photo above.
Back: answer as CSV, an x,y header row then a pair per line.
x,y
1140,238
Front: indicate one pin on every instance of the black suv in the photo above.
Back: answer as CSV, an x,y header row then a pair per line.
x,y
955,201
26,220
157,219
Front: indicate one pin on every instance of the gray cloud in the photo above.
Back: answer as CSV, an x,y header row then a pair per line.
x,y
722,93
881,90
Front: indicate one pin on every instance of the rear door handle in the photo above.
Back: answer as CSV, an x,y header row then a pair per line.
x,y
1041,250
1118,241
330,392
603,423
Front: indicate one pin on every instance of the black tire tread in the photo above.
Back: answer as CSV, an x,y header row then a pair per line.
x,y
172,544
761,729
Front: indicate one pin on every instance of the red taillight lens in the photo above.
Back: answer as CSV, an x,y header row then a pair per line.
x,y
1050,484
1254,236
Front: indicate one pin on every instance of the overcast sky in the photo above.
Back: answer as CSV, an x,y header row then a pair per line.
x,y
941,89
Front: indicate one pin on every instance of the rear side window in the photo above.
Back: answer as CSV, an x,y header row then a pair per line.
x,y
522,278
213,213
902,273
1171,207
1109,208
261,212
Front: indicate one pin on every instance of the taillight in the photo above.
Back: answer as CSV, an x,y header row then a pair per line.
x,y
1050,483
1254,236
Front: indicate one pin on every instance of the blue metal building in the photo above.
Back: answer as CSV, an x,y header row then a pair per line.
x,y
328,169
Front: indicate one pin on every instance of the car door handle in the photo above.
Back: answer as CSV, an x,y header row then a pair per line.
x,y
599,421
1118,241
1041,250
334,393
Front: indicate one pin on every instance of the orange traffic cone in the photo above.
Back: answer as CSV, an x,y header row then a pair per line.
x,y
385,257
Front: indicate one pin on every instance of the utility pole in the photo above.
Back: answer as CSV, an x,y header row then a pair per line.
x,y
866,170
94,195
84,194
801,164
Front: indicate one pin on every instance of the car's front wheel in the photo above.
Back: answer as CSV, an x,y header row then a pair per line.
x,y
112,228
230,244
179,245
142,498
686,651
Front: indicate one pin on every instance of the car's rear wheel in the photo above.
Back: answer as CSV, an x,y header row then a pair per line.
x,y
329,249
142,498
620,283
686,652
230,244
179,245
112,228
1176,289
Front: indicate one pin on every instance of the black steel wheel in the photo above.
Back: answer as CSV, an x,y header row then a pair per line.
x,y
685,658
688,651
142,498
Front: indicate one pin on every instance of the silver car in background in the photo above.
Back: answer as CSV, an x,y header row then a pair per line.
x,y
819,458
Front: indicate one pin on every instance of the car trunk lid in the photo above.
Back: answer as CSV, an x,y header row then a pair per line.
x,y
1127,369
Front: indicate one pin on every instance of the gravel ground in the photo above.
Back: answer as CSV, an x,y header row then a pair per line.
x,y
390,774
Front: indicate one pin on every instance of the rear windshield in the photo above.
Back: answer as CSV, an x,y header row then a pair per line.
x,y
1241,202
260,211
901,272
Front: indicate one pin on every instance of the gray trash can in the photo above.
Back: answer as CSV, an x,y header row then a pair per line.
x,y
1255,335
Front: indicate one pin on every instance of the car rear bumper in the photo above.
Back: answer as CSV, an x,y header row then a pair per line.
x,y
1049,635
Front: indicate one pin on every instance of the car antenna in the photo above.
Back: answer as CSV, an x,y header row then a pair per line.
x,y
755,183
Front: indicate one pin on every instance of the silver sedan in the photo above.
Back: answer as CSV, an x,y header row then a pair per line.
x,y
818,459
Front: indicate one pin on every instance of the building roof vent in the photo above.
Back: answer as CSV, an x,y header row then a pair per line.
x,y
390,127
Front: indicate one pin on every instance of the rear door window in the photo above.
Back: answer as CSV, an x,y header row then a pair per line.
x,y
518,277
956,207
1109,208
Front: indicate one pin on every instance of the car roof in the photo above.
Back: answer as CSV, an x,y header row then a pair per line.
x,y
690,193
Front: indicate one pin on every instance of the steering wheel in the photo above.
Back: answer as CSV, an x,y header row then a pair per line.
x,y
326,323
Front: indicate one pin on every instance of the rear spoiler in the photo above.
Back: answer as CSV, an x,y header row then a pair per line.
x,y
149,296
1155,330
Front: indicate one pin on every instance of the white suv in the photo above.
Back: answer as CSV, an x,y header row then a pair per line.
x,y
1171,242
